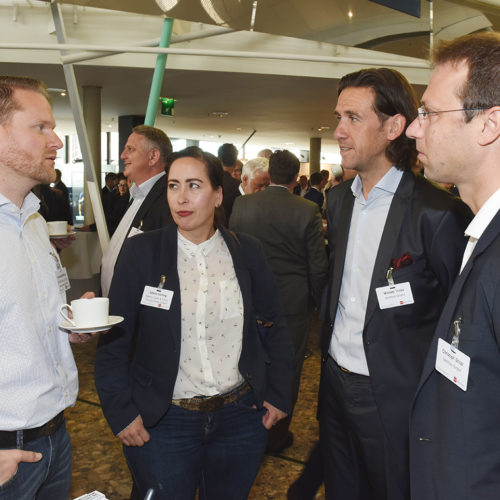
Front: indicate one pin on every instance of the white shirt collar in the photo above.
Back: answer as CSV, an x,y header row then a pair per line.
x,y
190,248
142,190
485,215
388,183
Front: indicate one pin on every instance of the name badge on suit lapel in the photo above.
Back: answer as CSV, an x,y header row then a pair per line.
x,y
452,363
157,296
394,295
135,230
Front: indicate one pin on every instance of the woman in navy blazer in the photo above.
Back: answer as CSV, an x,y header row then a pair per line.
x,y
194,417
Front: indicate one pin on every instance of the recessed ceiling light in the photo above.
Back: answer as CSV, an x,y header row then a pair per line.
x,y
350,14
166,4
219,114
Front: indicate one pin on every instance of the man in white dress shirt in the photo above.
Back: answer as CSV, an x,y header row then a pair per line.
x,y
38,376
144,156
454,424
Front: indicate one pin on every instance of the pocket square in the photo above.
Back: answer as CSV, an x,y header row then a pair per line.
x,y
404,261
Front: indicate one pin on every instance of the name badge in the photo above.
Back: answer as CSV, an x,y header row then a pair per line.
x,y
453,364
134,231
157,297
394,295
62,279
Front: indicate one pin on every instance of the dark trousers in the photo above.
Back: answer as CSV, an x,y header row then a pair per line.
x,y
217,453
298,327
353,444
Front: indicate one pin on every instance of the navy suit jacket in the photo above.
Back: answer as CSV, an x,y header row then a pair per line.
x,y
316,196
428,223
137,361
455,435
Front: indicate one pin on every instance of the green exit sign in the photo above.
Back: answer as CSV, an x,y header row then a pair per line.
x,y
167,106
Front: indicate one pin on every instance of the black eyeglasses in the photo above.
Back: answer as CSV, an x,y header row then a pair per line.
x,y
424,115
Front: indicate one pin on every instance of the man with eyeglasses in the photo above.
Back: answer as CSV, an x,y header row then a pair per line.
x,y
454,425
396,243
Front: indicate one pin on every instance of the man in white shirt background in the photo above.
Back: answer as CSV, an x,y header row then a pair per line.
x,y
144,155
454,431
38,375
255,176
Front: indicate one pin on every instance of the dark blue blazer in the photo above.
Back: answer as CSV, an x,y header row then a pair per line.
x,y
428,223
137,361
316,196
455,435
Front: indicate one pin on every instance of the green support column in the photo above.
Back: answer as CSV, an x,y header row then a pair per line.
x,y
161,61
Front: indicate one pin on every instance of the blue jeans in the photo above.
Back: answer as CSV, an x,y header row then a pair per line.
x,y
219,453
48,479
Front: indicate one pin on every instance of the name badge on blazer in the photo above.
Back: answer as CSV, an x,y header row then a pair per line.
x,y
157,297
133,231
394,295
453,364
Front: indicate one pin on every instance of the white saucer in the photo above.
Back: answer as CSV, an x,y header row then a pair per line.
x,y
61,236
113,320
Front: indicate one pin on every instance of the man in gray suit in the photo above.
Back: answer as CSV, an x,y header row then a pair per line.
x,y
291,231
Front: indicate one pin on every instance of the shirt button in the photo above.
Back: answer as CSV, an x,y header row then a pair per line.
x,y
353,299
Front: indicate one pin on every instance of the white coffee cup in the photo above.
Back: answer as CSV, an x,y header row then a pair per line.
x,y
57,227
88,312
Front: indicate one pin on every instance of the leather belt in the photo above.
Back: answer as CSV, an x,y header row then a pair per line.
x,y
209,404
9,438
345,370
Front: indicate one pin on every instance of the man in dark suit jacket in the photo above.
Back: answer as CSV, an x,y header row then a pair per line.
x,y
228,155
454,426
59,184
314,194
144,155
391,233
291,231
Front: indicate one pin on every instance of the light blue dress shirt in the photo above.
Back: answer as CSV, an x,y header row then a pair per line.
x,y
38,376
367,224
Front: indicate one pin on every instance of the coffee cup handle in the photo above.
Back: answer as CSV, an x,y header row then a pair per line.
x,y
67,318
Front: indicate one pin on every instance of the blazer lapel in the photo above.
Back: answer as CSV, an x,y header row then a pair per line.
x,y
148,201
443,329
390,234
168,267
344,218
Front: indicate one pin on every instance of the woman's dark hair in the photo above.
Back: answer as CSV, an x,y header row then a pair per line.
x,y
211,162
393,95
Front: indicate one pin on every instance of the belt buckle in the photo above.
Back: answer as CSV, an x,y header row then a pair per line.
x,y
211,404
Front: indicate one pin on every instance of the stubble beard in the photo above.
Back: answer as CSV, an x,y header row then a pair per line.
x,y
26,165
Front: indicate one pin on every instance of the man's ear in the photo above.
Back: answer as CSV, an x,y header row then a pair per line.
x,y
490,126
396,126
154,157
